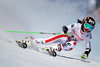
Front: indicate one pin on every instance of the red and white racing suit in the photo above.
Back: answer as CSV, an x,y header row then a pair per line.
x,y
76,35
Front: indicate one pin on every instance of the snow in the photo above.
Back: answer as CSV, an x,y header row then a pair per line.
x,y
37,16
12,55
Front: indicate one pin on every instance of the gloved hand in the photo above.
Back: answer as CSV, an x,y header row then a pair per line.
x,y
86,53
65,29
84,56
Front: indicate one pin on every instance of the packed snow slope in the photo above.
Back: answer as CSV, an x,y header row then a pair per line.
x,y
13,56
46,16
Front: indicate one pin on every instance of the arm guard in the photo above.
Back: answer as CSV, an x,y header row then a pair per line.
x,y
87,51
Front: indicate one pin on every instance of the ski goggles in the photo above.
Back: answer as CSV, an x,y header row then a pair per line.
x,y
86,25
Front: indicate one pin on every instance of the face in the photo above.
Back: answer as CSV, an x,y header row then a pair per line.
x,y
87,27
86,30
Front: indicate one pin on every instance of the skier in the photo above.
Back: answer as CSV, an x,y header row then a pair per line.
x,y
77,32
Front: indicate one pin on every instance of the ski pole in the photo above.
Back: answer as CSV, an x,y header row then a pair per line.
x,y
35,32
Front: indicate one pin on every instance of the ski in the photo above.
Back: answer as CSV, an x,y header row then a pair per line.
x,y
51,52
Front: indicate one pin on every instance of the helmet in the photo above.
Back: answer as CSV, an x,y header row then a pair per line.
x,y
89,20
89,23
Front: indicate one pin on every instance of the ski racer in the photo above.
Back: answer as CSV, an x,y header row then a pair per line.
x,y
77,32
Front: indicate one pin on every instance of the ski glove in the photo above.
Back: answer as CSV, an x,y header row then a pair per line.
x,y
65,29
86,53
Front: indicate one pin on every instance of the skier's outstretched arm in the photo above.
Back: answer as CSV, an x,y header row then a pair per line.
x,y
87,50
71,26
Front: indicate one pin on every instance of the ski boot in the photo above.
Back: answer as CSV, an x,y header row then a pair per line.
x,y
25,43
21,44
52,49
